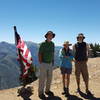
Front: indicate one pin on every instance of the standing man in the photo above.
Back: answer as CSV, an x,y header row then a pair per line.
x,y
81,49
46,60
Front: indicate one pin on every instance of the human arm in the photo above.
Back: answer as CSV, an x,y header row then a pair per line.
x,y
74,50
53,54
40,53
62,54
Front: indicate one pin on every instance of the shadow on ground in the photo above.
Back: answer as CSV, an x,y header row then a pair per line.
x,y
88,97
52,98
73,97
25,93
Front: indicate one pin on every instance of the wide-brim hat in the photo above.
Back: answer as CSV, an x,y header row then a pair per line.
x,y
81,35
67,43
49,32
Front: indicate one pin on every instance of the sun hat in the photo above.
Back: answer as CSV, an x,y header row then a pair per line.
x,y
49,32
81,35
67,43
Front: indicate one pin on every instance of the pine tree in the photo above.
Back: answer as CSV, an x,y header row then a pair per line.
x,y
95,48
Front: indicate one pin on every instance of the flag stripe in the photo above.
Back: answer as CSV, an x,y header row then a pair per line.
x,y
25,54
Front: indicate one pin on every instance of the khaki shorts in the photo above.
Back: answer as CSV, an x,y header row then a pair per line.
x,y
81,68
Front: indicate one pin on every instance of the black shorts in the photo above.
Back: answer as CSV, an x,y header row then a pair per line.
x,y
66,70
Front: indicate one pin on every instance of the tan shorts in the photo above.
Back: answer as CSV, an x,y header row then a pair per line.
x,y
81,68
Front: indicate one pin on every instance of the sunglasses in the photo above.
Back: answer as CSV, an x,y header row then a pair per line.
x,y
80,37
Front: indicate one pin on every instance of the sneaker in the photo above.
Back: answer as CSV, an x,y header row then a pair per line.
x,y
42,96
49,93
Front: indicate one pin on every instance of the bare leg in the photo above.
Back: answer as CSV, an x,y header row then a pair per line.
x,y
68,80
63,80
78,82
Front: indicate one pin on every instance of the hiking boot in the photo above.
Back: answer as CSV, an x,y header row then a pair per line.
x,y
78,90
89,93
49,93
42,96
67,92
64,91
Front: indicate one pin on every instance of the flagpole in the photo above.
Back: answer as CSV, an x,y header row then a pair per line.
x,y
20,62
15,31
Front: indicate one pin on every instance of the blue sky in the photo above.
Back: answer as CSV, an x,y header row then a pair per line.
x,y
34,18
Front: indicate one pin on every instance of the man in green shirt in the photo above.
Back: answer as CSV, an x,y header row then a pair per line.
x,y
46,60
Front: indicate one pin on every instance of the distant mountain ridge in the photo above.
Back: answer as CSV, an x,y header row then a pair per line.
x,y
9,66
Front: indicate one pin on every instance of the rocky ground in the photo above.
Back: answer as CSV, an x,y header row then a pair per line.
x,y
56,87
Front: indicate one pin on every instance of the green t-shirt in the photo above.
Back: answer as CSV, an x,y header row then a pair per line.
x,y
47,51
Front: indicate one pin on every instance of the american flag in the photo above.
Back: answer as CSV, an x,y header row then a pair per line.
x,y
24,54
